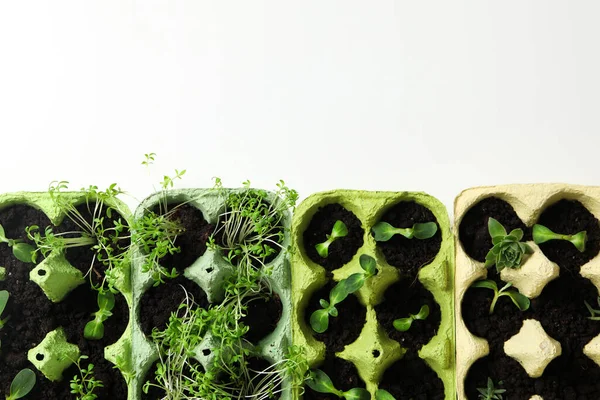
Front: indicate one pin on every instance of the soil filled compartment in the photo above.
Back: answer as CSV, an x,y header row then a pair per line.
x,y
343,329
500,368
412,378
473,230
341,250
570,217
262,317
193,238
159,302
409,255
402,299
343,374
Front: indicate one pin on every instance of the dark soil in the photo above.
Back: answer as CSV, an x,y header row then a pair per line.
x,y
343,374
341,250
412,378
192,242
400,300
343,329
473,230
33,316
570,217
159,302
262,317
82,257
501,368
409,255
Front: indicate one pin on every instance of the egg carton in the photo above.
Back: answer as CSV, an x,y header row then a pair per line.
x,y
373,352
57,278
533,348
209,272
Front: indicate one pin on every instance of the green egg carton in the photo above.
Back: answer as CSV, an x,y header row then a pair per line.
x,y
436,277
57,278
209,272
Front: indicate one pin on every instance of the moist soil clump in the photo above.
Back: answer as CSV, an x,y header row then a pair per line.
x,y
412,378
262,317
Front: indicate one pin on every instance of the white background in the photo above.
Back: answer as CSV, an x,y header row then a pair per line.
x,y
380,95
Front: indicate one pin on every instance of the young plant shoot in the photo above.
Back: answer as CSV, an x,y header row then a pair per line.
x,y
521,301
508,250
383,395
83,386
594,313
541,234
404,324
384,231
338,231
22,251
319,320
490,392
3,302
22,384
320,382
94,330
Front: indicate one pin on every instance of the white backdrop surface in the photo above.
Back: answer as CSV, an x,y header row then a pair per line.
x,y
378,95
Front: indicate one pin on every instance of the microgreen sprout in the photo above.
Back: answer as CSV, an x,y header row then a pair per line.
x,y
22,251
3,302
404,324
594,313
490,392
319,319
338,231
508,249
320,382
521,301
22,384
83,386
384,231
382,394
94,330
541,234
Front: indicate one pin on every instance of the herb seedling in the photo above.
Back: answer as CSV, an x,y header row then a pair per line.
x,y
320,382
508,249
490,392
541,234
319,320
22,384
338,231
3,302
22,251
404,324
384,231
594,314
521,301
84,385
382,394
94,330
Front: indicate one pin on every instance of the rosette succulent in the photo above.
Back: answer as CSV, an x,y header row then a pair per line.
x,y
508,250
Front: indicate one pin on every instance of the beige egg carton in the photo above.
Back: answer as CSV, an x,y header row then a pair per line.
x,y
532,347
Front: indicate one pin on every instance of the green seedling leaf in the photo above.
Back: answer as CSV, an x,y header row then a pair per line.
x,y
324,303
319,320
320,382
507,250
4,295
383,231
423,313
23,252
403,324
541,234
357,394
22,384
94,330
495,228
354,282
2,235
486,283
368,264
338,231
338,293
383,395
425,230
522,302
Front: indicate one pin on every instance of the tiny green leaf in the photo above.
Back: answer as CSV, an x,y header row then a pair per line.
x,y
425,230
357,394
324,303
368,264
579,240
319,320
541,234
338,293
354,282
383,231
22,384
2,234
403,324
339,230
383,395
521,301
320,382
423,313
486,283
4,295
23,252
323,248
495,228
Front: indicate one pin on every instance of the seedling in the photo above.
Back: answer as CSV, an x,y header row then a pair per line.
x,y
594,314
404,324
541,234
320,382
84,385
384,231
22,251
508,249
338,231
22,384
490,392
381,394
3,302
521,301
319,320
94,330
